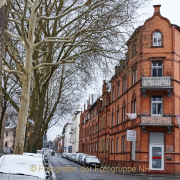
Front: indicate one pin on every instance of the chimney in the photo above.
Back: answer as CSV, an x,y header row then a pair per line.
x,y
157,8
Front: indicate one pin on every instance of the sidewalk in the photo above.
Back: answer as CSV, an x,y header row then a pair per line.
x,y
124,171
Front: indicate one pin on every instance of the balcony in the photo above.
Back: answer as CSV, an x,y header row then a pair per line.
x,y
156,121
70,140
156,84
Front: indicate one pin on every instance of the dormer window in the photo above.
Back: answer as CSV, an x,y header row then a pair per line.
x,y
157,39
134,47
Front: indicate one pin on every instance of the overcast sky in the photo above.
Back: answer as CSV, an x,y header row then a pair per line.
x,y
169,9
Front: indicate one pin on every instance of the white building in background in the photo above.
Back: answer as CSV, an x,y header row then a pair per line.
x,y
68,136
76,121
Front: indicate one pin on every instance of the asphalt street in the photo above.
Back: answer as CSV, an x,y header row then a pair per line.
x,y
67,170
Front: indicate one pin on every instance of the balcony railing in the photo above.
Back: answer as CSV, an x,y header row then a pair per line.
x,y
70,140
156,83
156,120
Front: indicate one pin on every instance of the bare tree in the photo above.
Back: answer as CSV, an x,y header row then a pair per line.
x,y
3,21
53,33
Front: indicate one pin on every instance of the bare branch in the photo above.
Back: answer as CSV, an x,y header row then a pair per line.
x,y
12,71
53,64
52,40
38,5
14,20
62,15
22,23
30,3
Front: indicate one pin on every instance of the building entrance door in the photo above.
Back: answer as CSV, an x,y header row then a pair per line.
x,y
157,157
156,151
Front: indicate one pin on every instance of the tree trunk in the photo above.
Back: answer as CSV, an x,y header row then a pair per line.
x,y
23,111
34,136
3,22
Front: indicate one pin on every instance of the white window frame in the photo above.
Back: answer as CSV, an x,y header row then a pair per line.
x,y
156,115
157,39
157,67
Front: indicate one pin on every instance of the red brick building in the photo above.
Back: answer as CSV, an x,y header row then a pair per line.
x,y
146,83
94,126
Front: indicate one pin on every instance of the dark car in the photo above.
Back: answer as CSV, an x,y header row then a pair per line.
x,y
91,161
81,158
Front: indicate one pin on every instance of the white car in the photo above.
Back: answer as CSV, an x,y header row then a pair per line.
x,y
32,154
22,167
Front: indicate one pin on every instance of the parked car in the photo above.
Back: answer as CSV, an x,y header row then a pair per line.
x,y
73,156
91,161
68,155
22,167
32,154
64,155
81,158
77,157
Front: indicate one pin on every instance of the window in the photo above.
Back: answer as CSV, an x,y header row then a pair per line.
x,y
112,120
118,117
99,145
124,86
118,89
111,145
133,107
113,93
108,120
103,122
106,144
6,144
117,144
123,144
157,39
134,75
102,145
96,146
156,106
94,112
157,69
134,47
6,133
124,112
71,128
94,129
93,147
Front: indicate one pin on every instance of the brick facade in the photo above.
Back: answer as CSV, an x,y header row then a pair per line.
x,y
148,84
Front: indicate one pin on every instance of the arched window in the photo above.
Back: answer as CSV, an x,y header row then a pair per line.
x,y
157,39
124,111
112,122
118,114
133,105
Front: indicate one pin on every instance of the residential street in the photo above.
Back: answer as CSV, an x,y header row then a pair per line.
x,y
67,170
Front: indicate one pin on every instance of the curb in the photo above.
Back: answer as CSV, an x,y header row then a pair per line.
x,y
53,173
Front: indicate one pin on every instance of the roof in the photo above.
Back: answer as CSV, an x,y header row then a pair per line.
x,y
13,164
